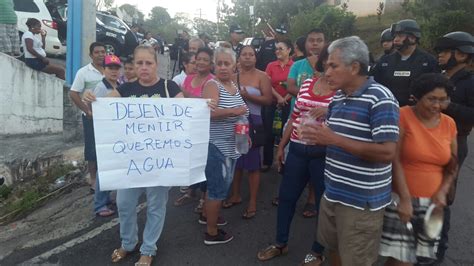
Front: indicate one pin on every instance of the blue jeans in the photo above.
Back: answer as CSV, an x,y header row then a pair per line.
x,y
127,200
219,173
303,162
101,198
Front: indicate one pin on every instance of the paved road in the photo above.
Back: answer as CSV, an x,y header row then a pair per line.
x,y
181,242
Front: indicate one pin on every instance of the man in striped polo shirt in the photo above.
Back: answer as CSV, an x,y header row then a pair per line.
x,y
361,135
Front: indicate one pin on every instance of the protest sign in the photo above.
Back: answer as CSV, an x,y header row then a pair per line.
x,y
145,142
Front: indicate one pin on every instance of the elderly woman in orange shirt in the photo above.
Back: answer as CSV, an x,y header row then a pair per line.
x,y
423,170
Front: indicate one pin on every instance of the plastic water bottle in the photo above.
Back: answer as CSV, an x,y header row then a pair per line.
x,y
242,145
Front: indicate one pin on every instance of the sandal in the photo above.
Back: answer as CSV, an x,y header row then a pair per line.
x,y
249,214
105,213
313,260
144,261
183,200
271,252
120,254
309,210
230,204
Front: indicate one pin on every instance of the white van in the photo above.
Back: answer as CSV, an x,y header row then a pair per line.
x,y
37,9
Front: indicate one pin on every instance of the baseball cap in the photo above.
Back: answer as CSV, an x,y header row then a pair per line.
x,y
236,29
112,60
281,29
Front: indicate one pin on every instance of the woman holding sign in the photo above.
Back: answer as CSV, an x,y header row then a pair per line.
x,y
222,155
147,85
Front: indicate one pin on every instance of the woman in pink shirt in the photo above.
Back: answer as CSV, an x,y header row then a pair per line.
x,y
193,84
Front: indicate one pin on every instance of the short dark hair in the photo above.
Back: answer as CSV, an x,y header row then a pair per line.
x,y
207,51
31,22
323,56
93,45
289,45
428,82
316,30
187,57
300,41
245,46
128,60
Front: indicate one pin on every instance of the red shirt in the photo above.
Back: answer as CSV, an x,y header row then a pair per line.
x,y
305,101
279,75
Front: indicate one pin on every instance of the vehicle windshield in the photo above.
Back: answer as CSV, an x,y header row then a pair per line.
x,y
112,22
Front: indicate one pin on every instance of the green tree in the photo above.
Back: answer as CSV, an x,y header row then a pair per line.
x,y
158,16
204,26
438,17
335,22
133,12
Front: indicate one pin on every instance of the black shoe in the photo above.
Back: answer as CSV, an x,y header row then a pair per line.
x,y
221,238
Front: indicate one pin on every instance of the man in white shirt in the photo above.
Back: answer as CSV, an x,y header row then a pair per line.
x,y
86,79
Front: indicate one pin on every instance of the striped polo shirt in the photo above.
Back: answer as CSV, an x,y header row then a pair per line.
x,y
370,114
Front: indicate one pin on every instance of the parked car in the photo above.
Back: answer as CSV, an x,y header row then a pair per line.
x,y
25,9
256,42
111,31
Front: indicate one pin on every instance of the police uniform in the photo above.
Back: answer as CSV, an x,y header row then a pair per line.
x,y
397,74
266,54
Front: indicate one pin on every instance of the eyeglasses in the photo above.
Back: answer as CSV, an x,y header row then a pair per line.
x,y
441,101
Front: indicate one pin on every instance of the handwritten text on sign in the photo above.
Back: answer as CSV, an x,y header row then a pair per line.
x,y
144,142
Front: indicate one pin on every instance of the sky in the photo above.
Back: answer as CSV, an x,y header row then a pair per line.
x,y
193,8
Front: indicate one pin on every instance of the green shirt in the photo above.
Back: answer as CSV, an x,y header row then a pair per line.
x,y
7,14
300,71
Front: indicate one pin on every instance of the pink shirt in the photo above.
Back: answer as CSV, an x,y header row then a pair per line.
x,y
195,91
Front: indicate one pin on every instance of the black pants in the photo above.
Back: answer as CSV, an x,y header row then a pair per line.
x,y
268,114
443,242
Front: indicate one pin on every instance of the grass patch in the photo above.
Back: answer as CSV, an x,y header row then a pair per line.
x,y
25,197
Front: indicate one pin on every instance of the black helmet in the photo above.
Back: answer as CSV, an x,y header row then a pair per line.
x,y
386,36
460,40
406,26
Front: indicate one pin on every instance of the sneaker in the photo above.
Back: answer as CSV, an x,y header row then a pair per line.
x,y
221,238
220,220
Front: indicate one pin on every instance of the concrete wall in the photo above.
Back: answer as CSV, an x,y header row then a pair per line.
x,y
31,101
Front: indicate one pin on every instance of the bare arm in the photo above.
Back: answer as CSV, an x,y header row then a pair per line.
x,y
449,174
265,87
76,99
405,208
210,91
375,152
292,88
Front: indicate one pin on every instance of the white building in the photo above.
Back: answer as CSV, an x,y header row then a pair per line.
x,y
362,8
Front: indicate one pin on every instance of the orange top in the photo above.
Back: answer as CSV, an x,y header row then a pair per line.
x,y
424,152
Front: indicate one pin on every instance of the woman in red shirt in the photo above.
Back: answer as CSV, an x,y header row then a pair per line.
x,y
278,72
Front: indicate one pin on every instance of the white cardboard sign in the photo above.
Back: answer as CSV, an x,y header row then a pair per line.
x,y
145,142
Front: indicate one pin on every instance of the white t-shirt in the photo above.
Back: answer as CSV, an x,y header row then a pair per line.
x,y
179,79
37,44
86,78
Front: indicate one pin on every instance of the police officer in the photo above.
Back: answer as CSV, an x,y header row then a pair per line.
x,y
397,70
266,53
455,52
236,37
386,41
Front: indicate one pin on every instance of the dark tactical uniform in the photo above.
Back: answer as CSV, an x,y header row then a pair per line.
x,y
397,74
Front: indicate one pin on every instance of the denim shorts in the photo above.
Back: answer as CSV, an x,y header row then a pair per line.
x,y
89,140
219,173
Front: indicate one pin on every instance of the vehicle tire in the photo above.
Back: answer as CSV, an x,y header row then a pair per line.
x,y
111,47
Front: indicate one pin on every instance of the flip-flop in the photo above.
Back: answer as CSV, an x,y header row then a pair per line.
x,y
183,200
142,263
230,204
105,213
247,215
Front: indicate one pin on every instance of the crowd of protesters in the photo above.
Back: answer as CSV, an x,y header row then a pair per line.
x,y
377,145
